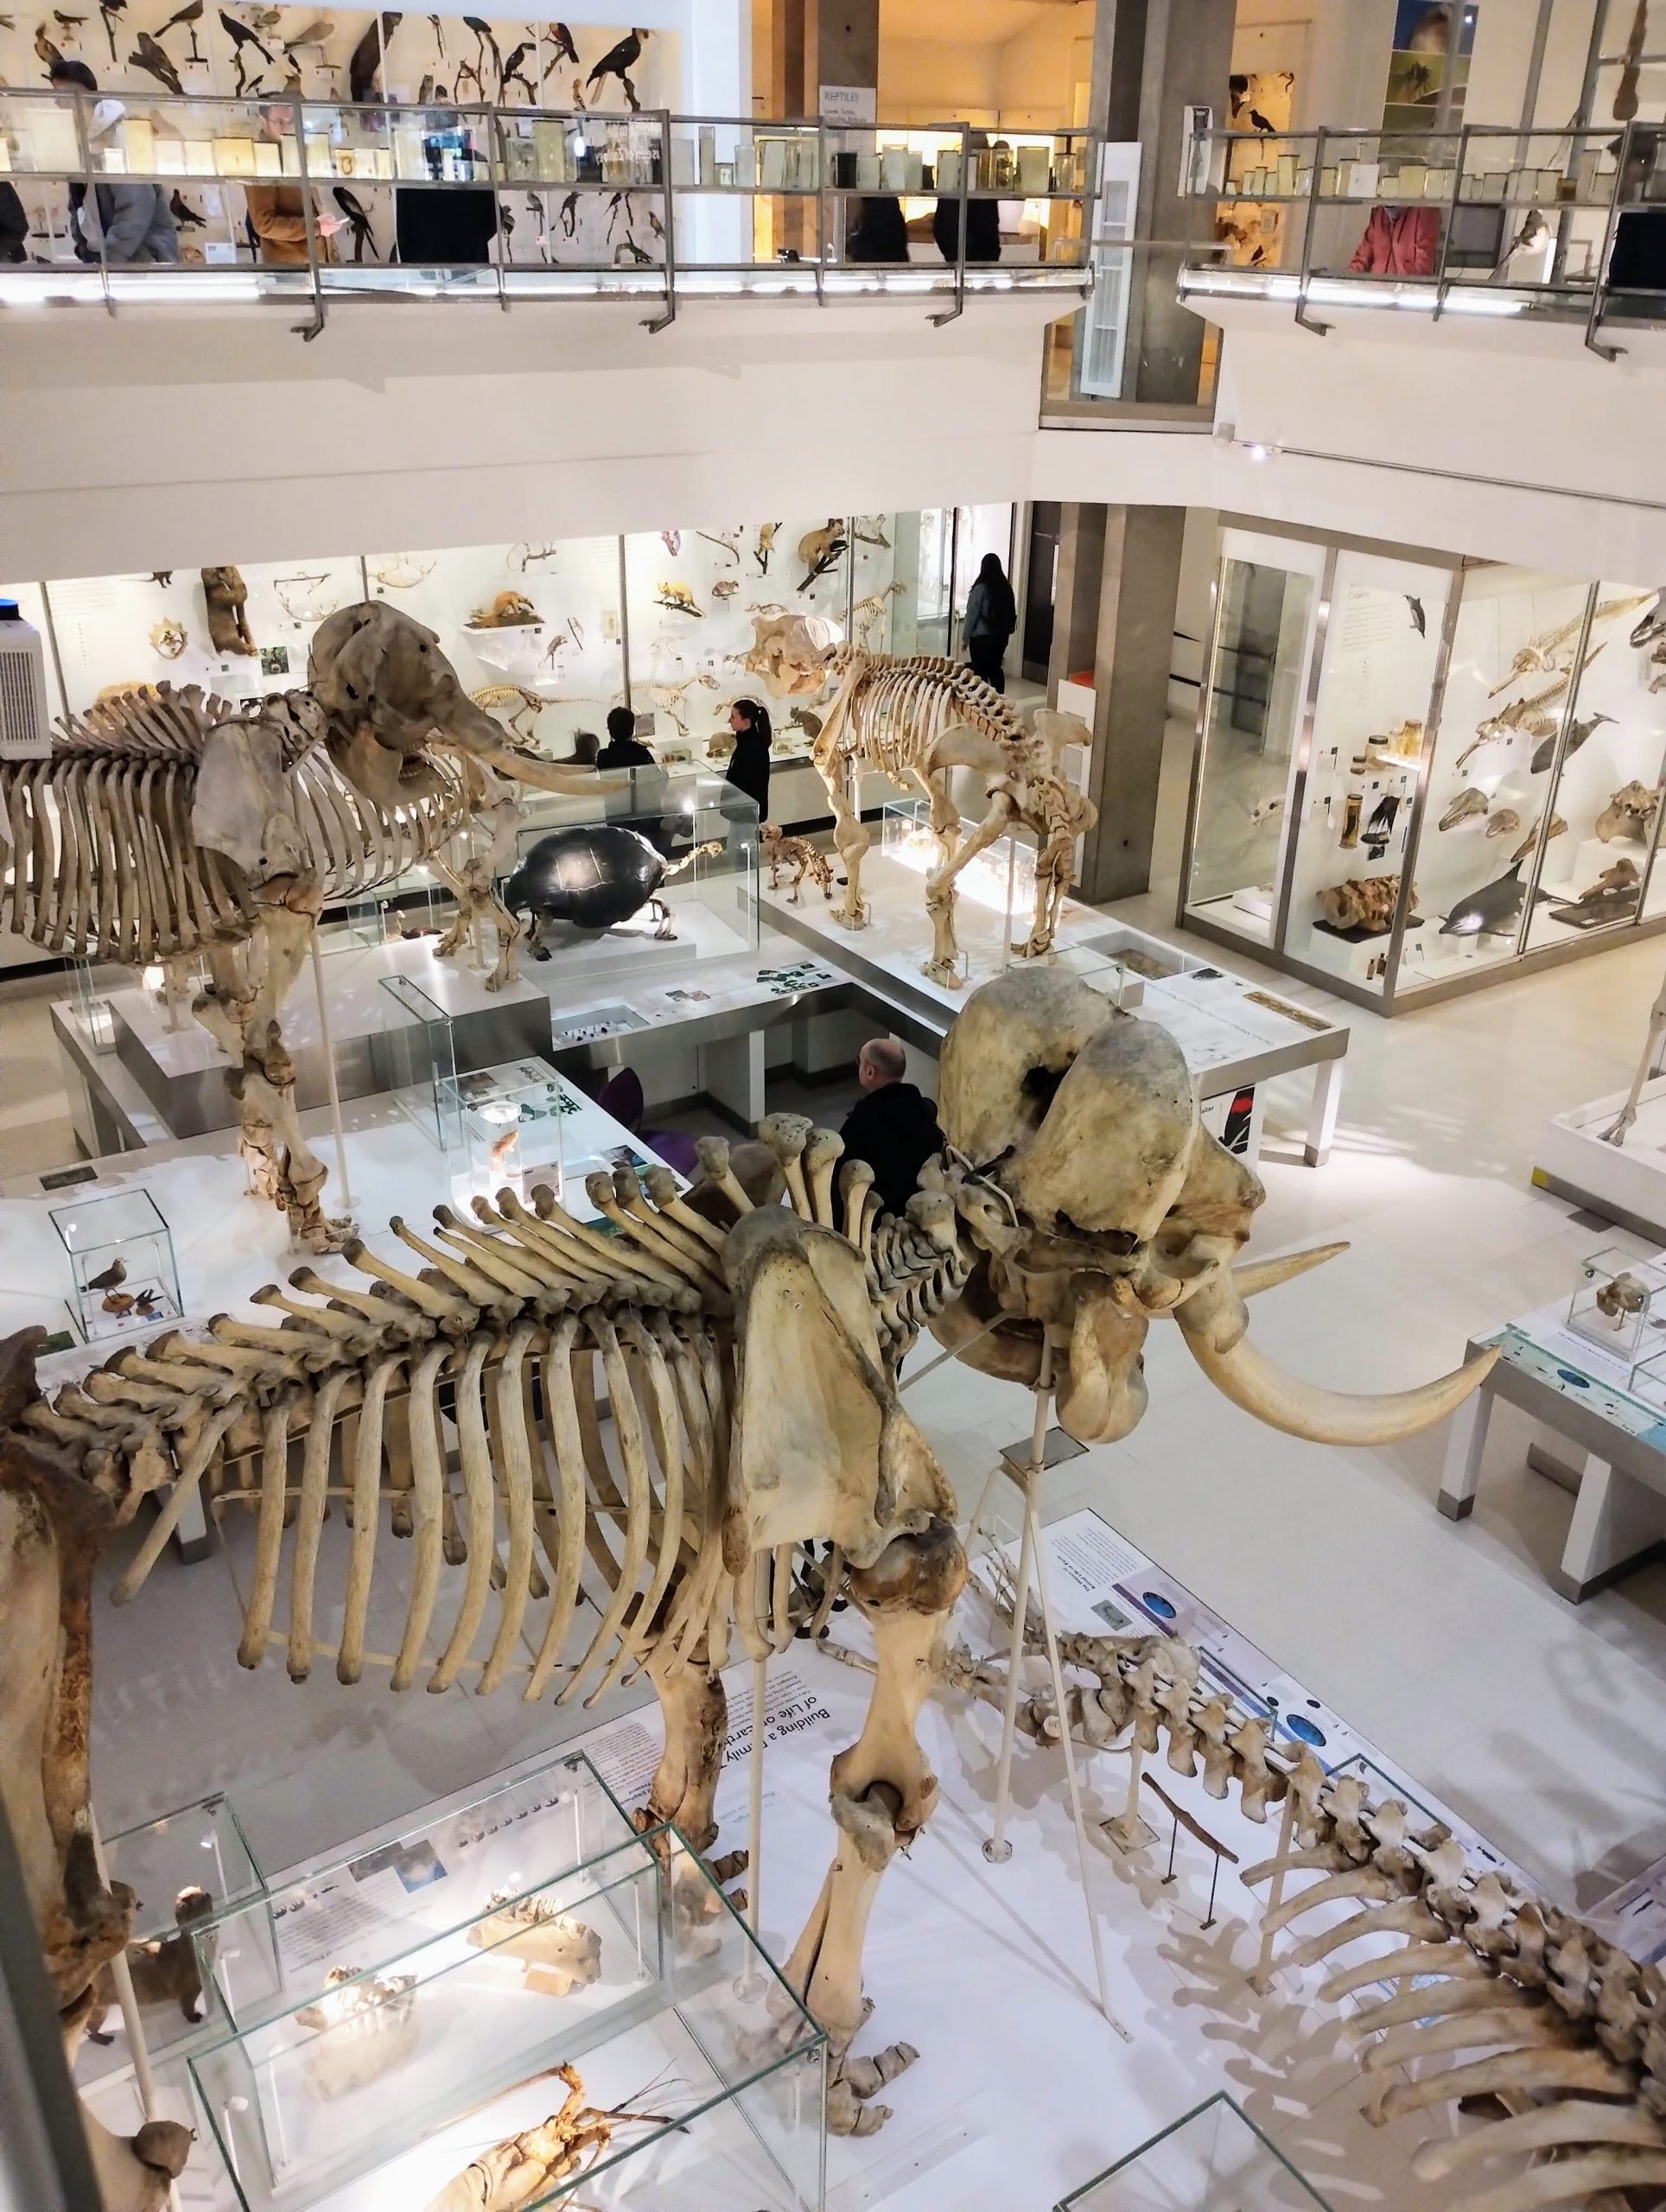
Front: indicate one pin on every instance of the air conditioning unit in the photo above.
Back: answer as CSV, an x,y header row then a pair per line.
x,y
25,733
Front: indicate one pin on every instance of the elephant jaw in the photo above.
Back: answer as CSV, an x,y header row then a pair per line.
x,y
1000,1323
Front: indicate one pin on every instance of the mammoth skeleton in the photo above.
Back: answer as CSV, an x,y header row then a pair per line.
x,y
168,826
746,1350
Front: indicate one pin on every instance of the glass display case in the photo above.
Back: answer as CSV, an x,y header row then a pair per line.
x,y
197,1846
268,1954
630,1992
1412,773
664,866
505,1126
1213,2159
121,1258
1618,1303
414,1055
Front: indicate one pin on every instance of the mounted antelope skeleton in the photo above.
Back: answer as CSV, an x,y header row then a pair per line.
x,y
164,827
747,1355
919,719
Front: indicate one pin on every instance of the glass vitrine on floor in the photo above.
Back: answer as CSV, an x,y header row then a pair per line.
x,y
1415,772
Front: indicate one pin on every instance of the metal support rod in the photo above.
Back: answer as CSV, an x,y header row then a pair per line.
x,y
1447,227
821,233
959,307
662,322
85,145
1318,329
121,1974
755,1795
329,1072
998,1850
1599,287
489,115
306,331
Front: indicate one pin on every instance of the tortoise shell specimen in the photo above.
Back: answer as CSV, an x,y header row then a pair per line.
x,y
592,875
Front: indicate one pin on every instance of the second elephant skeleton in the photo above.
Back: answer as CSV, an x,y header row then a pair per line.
x,y
167,826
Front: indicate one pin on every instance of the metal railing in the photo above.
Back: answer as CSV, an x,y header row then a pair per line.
x,y
1519,222
647,204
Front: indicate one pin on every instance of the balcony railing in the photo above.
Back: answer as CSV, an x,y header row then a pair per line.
x,y
648,206
1486,220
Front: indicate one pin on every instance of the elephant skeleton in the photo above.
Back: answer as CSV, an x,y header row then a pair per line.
x,y
916,719
747,1353
162,828
1561,2030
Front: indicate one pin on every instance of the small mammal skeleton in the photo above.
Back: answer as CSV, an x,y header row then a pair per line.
x,y
801,856
567,1950
366,2027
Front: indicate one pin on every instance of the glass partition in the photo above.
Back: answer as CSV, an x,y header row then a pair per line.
x,y
1266,607
1214,2159
1371,719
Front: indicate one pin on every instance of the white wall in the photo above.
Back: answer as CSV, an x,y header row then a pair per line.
x,y
153,440
1339,49
1025,79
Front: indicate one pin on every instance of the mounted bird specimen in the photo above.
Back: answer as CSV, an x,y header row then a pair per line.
x,y
153,60
512,73
1625,92
359,221
242,37
439,36
108,10
48,53
190,14
565,50
69,25
618,62
312,34
184,214
367,57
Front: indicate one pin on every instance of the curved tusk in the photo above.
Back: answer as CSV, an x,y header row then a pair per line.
x,y
1214,1324
1267,1274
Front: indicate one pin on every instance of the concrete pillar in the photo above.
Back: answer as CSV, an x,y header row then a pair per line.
x,y
1119,573
816,42
1152,59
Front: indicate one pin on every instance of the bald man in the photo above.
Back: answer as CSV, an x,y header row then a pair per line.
x,y
892,1125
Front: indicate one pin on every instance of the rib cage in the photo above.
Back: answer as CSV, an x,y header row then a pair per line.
x,y
897,710
98,846
1562,2028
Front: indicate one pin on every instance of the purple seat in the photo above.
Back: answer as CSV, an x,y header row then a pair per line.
x,y
677,1149
621,1097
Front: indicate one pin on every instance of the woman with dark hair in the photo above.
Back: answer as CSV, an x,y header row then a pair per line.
x,y
991,617
880,233
748,767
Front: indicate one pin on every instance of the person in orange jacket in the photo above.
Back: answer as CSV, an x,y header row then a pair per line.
x,y
277,214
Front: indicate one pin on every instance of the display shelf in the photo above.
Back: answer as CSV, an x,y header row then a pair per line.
x,y
397,2078
1212,2160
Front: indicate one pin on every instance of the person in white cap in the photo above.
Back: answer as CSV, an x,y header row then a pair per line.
x,y
132,219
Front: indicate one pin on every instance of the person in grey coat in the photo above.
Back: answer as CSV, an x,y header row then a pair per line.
x,y
132,219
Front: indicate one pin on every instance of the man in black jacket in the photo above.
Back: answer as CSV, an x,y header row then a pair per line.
x,y
892,1125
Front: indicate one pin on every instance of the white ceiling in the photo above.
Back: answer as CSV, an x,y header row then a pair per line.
x,y
969,23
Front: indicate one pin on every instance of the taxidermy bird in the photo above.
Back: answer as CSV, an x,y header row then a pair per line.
x,y
1625,92
109,1277
1419,619
70,25
153,60
570,215
628,254
191,15
617,62
313,34
425,90
359,221
483,38
1259,120
565,50
367,57
439,36
1532,234
47,52
242,36
184,214
108,10
511,73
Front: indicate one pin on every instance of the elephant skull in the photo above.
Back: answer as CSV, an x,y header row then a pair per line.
x,y
1097,1203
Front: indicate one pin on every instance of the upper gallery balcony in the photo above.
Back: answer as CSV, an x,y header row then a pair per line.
x,y
1561,226
505,205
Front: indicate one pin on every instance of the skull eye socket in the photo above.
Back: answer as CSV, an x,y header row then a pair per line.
x,y
1039,1084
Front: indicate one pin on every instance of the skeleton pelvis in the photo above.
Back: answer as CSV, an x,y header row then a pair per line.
x,y
822,1448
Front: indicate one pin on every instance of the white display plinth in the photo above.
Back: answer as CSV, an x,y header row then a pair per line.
x,y
1624,1183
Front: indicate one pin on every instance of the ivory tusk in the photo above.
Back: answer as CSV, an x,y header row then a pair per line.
x,y
1214,1324
1267,1274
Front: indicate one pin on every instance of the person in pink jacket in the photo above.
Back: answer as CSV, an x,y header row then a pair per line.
x,y
1398,242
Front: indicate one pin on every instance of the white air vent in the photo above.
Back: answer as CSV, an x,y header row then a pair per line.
x,y
25,733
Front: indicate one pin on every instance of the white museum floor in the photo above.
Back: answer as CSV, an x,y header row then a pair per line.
x,y
1544,1725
